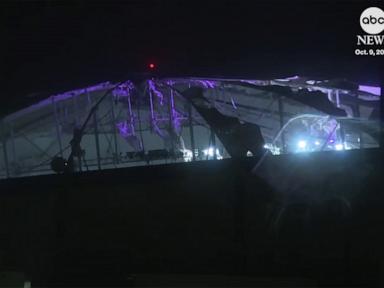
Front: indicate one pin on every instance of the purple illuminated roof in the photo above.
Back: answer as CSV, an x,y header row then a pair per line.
x,y
206,83
370,89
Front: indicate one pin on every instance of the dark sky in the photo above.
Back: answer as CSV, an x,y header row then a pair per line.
x,y
53,46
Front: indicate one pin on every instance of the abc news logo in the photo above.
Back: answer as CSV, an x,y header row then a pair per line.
x,y
372,22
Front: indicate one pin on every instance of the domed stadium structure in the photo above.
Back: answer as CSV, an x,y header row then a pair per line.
x,y
159,121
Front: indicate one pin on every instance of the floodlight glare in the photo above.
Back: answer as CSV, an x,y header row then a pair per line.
x,y
302,144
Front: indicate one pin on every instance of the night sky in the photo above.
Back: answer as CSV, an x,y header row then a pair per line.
x,y
53,46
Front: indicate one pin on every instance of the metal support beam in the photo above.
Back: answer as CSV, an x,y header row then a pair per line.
x,y
13,143
4,142
342,135
281,118
213,143
76,109
130,115
139,120
116,158
361,140
356,113
57,124
191,132
97,139
337,98
172,131
151,105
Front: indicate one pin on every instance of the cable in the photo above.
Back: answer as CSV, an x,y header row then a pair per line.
x,y
78,134
49,159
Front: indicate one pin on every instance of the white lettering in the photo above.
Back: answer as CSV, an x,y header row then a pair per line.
x,y
370,39
379,39
361,40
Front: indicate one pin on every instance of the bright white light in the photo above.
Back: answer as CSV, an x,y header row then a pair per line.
x,y
210,153
249,153
339,147
187,155
196,152
302,144
274,150
347,147
317,143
